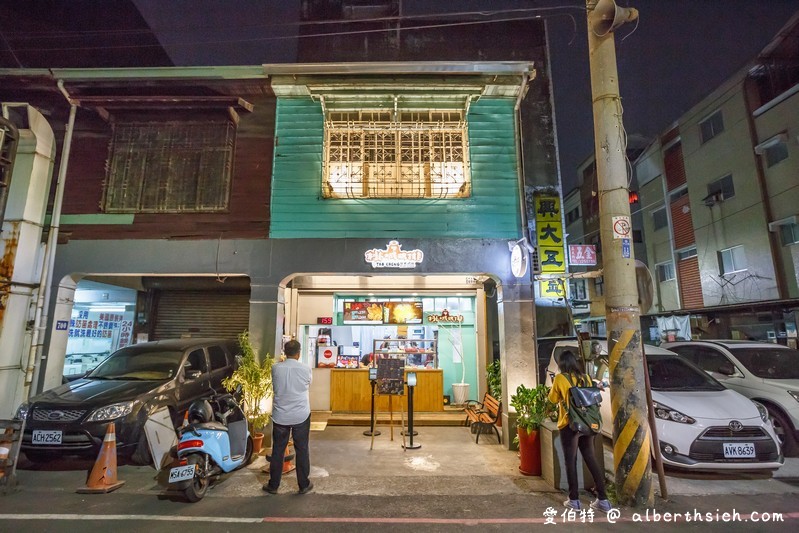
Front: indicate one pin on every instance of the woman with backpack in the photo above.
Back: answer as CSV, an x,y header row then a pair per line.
x,y
572,374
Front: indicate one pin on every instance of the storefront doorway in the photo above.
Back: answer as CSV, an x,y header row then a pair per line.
x,y
438,333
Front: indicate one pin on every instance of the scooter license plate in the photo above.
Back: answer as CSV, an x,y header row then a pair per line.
x,y
181,473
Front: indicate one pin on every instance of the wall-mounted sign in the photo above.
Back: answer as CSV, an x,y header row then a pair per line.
x,y
393,257
444,318
325,320
518,261
582,254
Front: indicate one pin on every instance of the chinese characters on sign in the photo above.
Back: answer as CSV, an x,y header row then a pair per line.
x,y
549,234
551,288
582,254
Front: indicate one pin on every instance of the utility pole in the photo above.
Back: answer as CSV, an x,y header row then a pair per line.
x,y
631,434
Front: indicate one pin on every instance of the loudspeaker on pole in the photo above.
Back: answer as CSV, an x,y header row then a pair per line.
x,y
608,16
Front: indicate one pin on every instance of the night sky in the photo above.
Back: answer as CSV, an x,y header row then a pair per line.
x,y
678,53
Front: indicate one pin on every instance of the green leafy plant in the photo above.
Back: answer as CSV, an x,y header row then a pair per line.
x,y
494,376
532,406
255,378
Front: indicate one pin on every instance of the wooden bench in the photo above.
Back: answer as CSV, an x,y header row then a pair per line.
x,y
484,415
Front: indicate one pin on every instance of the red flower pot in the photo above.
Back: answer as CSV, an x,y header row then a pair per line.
x,y
529,452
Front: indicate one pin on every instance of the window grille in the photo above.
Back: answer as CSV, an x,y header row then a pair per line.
x,y
413,154
169,167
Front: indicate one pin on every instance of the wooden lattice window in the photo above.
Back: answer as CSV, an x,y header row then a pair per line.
x,y
409,154
169,167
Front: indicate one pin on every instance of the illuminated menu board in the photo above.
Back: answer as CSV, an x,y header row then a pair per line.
x,y
403,312
363,313
383,313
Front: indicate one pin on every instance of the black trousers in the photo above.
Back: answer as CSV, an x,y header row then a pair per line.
x,y
280,439
571,442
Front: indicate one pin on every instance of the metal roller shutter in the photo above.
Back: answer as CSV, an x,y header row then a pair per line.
x,y
199,313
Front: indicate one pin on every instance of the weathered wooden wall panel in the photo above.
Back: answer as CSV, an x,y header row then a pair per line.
x,y
248,213
299,211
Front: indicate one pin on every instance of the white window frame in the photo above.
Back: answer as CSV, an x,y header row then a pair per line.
x,y
665,271
686,253
402,154
734,257
711,127
721,189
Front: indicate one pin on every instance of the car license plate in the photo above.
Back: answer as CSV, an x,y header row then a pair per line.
x,y
742,450
181,473
46,436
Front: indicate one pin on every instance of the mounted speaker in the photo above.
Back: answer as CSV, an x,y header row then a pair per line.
x,y
608,16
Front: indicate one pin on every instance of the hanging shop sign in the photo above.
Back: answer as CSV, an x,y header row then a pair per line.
x,y
549,234
582,254
444,318
393,256
551,288
518,261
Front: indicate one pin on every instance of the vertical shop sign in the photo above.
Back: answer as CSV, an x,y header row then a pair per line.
x,y
549,234
125,332
551,288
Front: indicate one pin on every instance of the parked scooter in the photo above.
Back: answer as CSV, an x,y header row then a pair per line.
x,y
215,440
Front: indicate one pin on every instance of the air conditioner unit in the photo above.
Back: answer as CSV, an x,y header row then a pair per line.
x,y
712,199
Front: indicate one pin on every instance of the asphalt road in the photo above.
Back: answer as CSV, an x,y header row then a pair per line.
x,y
449,484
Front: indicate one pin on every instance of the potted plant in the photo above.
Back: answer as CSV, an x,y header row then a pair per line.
x,y
255,378
532,408
494,378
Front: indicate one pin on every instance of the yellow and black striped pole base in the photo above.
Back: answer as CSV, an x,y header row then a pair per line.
x,y
631,434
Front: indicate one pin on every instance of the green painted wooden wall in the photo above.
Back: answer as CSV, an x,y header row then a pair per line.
x,y
299,211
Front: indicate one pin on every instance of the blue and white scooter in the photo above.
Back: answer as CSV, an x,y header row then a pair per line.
x,y
214,441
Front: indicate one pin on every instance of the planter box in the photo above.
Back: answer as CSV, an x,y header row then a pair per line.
x,y
553,467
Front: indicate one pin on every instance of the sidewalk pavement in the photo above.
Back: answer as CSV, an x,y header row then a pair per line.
x,y
449,480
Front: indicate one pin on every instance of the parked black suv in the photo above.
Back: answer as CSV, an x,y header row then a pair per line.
x,y
125,388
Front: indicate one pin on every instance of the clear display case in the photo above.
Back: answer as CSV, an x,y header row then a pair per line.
x,y
416,353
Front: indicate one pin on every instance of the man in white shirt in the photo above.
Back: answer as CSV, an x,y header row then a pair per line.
x,y
291,416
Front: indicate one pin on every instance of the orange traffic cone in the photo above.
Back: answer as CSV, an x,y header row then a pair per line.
x,y
103,477
288,460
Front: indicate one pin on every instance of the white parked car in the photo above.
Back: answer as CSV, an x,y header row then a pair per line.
x,y
763,371
701,424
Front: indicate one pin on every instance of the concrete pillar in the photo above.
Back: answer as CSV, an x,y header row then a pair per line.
x,y
516,309
267,310
21,250
53,362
